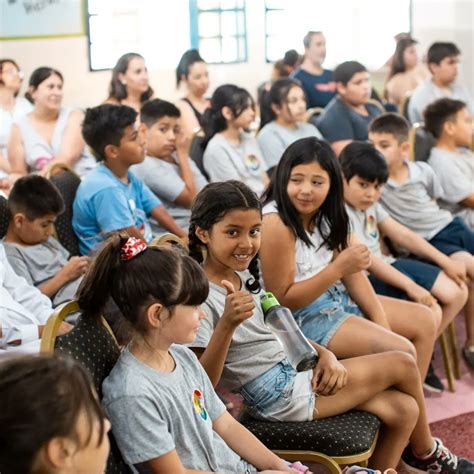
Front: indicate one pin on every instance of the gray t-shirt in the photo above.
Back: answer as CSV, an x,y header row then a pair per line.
x,y
427,92
274,139
455,171
341,122
413,203
253,350
39,263
154,413
244,162
164,179
364,224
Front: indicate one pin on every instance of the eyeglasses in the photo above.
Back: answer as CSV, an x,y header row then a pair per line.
x,y
14,72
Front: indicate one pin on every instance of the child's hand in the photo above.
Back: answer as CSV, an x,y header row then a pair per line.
x,y
183,143
75,267
239,305
419,295
329,375
64,328
353,259
456,271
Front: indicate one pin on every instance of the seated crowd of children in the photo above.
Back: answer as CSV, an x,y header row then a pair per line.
x,y
373,254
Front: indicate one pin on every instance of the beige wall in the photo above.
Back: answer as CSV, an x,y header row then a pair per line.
x,y
432,20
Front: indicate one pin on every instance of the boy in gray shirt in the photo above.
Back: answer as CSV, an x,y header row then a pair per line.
x,y
34,203
410,197
449,122
167,169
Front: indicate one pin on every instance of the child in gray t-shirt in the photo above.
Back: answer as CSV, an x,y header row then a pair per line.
x,y
452,160
34,203
167,169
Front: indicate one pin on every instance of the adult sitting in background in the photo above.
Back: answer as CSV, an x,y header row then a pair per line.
x,y
347,116
318,83
406,72
130,84
12,107
24,311
443,60
50,133
192,71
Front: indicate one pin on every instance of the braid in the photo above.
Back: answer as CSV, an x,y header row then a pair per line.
x,y
253,284
194,244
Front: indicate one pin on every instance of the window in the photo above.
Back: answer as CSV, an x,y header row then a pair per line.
x,y
354,30
218,29
160,33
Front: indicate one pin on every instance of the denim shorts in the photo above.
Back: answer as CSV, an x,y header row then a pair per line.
x,y
281,394
320,320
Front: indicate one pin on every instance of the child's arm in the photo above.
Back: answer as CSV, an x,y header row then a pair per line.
x,y
277,256
165,220
385,272
417,245
190,190
246,445
16,154
74,268
468,201
239,306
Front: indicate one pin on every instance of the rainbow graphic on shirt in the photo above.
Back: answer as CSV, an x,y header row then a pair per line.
x,y
372,227
198,401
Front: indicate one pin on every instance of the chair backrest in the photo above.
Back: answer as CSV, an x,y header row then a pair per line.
x,y
421,142
171,240
93,345
3,216
404,106
196,153
67,183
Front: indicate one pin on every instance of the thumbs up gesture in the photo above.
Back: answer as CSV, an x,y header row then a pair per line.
x,y
239,305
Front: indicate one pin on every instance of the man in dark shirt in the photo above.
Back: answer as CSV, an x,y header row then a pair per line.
x,y
317,82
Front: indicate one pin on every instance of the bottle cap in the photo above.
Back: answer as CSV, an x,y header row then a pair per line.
x,y
268,301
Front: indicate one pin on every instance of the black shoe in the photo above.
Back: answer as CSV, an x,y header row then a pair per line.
x,y
468,354
432,382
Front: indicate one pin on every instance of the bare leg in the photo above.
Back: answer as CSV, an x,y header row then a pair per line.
x,y
370,383
415,322
451,297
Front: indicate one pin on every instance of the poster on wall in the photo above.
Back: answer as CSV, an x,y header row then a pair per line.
x,y
28,19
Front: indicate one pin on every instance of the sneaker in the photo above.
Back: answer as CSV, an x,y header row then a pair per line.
x,y
468,354
432,382
442,461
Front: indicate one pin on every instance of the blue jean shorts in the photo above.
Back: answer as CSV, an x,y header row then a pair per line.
x,y
320,320
281,394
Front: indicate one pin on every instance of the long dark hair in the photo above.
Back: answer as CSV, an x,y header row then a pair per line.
x,y
156,275
228,95
398,63
38,76
210,206
42,397
331,220
117,90
277,95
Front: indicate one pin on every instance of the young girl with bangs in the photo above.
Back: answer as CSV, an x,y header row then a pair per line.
x,y
51,420
237,349
283,120
315,267
158,397
229,151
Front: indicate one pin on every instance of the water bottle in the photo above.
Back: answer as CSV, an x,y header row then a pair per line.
x,y
300,353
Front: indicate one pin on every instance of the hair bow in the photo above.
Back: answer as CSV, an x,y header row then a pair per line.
x,y
131,248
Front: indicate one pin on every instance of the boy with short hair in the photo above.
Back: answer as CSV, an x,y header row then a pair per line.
x,y
34,204
443,60
111,198
453,162
167,169
347,116
365,172
410,197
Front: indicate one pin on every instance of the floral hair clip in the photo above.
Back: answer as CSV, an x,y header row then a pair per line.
x,y
131,248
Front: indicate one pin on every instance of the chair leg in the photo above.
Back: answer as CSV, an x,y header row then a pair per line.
x,y
447,362
454,350
364,463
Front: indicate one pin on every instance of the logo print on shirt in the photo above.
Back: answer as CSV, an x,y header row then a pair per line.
x,y
252,163
198,401
372,227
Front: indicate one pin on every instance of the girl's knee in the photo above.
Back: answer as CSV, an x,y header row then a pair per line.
x,y
401,411
403,364
409,348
